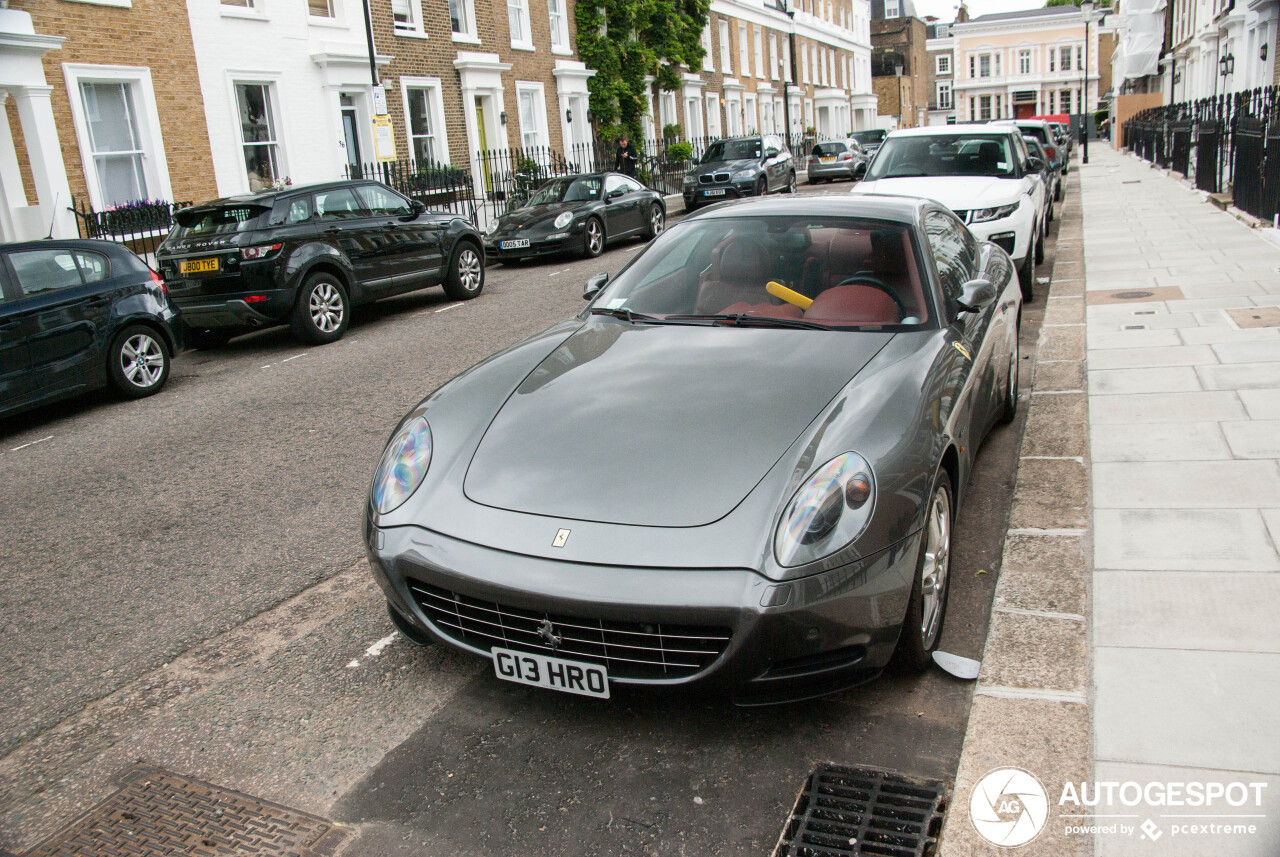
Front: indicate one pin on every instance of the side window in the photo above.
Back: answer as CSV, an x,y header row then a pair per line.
x,y
339,204
45,270
631,185
952,255
300,209
382,201
93,266
613,183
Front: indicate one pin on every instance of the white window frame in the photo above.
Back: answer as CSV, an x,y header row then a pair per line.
x,y
726,49
559,33
525,43
414,29
733,113
786,60
998,55
750,114
435,111
708,57
271,81
154,163
539,113
666,110
944,99
773,57
744,51
1024,61
943,63
332,19
693,122
985,106
1064,52
251,9
714,126
892,9
804,64
757,41
469,35
984,65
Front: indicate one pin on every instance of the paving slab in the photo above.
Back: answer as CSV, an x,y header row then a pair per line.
x,y
1044,573
1182,539
1155,379
1113,337
1240,376
1186,484
1166,407
1056,424
1158,442
1162,704
1214,610
1261,404
1135,358
1061,343
1059,376
1272,518
1257,351
1033,651
1051,494
1217,335
1254,438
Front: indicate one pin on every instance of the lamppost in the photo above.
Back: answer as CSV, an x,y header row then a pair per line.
x,y
1226,66
1086,12
897,72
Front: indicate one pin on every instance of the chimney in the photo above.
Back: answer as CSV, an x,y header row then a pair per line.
x,y
962,14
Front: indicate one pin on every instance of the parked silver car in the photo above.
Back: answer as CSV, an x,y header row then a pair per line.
x,y
837,159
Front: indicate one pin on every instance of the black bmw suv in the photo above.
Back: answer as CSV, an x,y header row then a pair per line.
x,y
739,167
306,255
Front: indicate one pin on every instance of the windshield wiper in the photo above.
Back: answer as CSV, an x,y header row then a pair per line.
x,y
625,314
741,320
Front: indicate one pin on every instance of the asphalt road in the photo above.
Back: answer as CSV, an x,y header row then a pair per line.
x,y
183,583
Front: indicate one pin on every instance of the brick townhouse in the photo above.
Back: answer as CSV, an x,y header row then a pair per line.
x,y
101,105
900,76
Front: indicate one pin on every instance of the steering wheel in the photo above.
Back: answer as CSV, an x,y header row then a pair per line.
x,y
876,283
907,169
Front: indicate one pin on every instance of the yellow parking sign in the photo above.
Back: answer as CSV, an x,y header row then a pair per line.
x,y
384,138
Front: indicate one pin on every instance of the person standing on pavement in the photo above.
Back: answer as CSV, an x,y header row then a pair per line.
x,y
627,158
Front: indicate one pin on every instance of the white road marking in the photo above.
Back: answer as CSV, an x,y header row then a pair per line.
x,y
450,306
376,649
353,664
294,357
557,273
32,443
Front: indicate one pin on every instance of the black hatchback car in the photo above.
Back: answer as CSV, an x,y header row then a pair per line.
x,y
740,167
76,315
306,255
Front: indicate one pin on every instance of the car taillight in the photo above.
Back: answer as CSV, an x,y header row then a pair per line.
x,y
255,299
159,281
846,156
1052,152
262,251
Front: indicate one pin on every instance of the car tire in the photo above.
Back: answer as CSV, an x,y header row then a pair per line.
x,y
922,625
1039,255
592,238
138,362
1010,409
791,183
1057,192
762,187
322,311
1027,271
205,340
465,279
1049,220
657,221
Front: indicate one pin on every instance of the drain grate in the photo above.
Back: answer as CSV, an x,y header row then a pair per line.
x,y
157,812
849,812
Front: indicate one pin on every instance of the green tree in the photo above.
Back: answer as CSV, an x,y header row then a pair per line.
x,y
625,40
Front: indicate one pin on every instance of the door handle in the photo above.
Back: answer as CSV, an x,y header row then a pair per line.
x,y
333,229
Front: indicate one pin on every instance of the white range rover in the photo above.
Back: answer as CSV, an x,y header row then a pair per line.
x,y
983,173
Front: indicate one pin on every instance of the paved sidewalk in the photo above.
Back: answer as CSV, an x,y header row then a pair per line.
x,y
1184,421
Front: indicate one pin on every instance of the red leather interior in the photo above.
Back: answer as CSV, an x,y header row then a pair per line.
x,y
764,310
853,305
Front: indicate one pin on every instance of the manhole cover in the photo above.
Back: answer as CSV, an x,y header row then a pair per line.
x,y
1128,296
156,812
1263,316
845,812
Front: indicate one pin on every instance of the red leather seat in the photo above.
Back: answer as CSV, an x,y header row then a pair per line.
x,y
764,310
737,275
849,253
853,304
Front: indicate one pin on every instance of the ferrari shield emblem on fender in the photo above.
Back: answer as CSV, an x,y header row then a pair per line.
x,y
965,351
562,536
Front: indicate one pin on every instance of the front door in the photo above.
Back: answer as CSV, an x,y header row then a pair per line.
x,y
622,205
483,145
1024,111
411,247
351,132
342,220
15,360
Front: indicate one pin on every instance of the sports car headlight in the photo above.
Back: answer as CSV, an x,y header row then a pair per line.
x,y
828,511
744,175
982,215
564,220
404,464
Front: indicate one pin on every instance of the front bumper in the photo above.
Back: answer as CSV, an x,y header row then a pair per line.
x,y
538,245
1012,233
708,194
785,640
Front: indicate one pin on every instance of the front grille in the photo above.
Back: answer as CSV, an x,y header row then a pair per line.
x,y
963,215
847,812
717,178
637,650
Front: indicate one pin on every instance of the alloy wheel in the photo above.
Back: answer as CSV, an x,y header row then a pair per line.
x,y
656,222
937,565
326,307
595,239
142,360
469,269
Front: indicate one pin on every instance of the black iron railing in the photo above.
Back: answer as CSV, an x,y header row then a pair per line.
x,y
140,226
440,187
1228,142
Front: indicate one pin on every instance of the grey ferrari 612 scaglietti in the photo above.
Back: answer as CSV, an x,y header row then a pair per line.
x,y
736,469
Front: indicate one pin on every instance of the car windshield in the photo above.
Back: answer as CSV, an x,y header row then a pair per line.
x,y
944,155
731,150
828,149
568,190
810,271
218,220
870,137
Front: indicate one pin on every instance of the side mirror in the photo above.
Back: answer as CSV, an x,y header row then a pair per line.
x,y
1035,164
418,207
612,195
976,295
596,283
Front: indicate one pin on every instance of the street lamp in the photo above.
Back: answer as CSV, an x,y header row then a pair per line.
x,y
1086,12
897,72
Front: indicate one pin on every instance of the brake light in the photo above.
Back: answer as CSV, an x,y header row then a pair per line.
x,y
156,278
262,251
846,156
255,299
1053,153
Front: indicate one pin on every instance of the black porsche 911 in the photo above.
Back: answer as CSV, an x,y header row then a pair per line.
x,y
580,213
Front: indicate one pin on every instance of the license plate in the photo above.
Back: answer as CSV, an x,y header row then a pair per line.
x,y
514,245
199,266
552,673
826,160
717,192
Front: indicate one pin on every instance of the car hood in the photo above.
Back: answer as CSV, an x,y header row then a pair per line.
x,y
534,215
958,193
662,426
723,166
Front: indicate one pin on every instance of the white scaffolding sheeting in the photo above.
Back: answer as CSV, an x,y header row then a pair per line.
x,y
1142,22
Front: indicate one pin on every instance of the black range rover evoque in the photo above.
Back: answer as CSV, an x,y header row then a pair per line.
x,y
305,255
